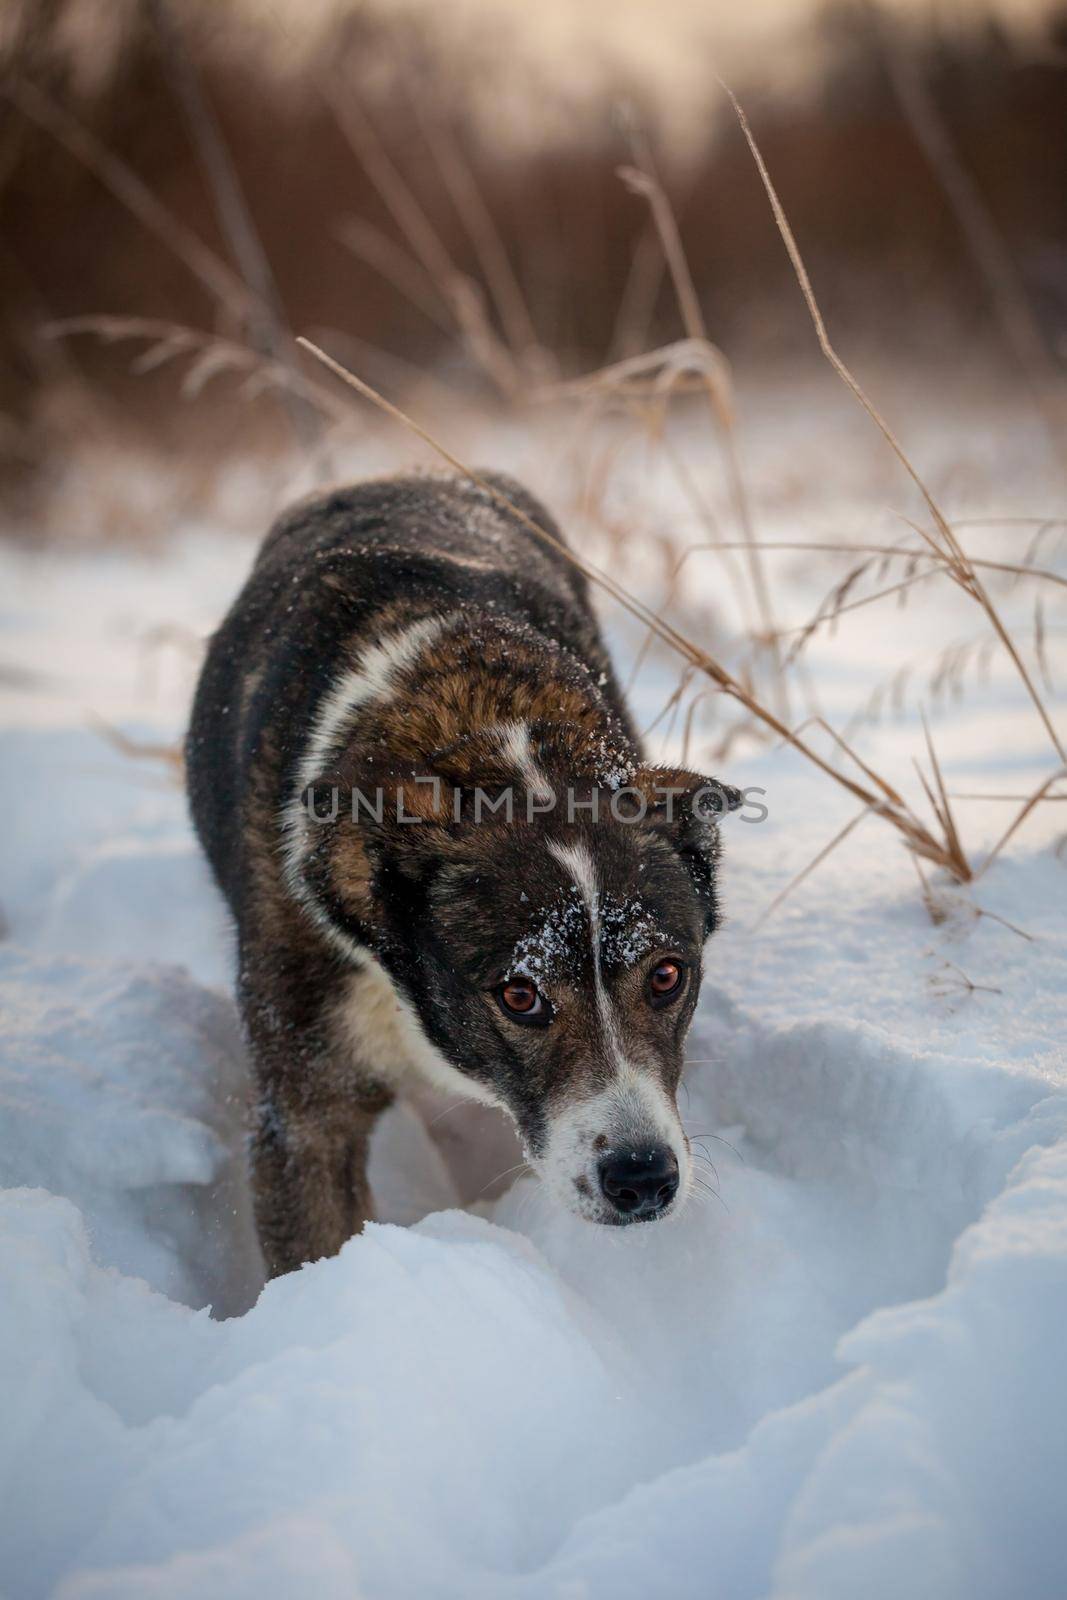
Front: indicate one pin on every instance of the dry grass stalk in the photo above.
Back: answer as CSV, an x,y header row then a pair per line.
x,y
955,661
670,705
1023,569
460,295
984,240
644,180
637,303
846,750
655,377
170,756
954,979
1030,554
268,330
838,605
1017,821
794,883
1007,799
392,263
945,544
687,731
942,808
477,219
980,911
1040,643
393,371
726,548
220,281
946,678
212,357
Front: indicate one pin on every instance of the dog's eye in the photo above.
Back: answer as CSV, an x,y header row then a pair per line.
x,y
665,982
522,1001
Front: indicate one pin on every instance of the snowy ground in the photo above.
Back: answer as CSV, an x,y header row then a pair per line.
x,y
845,1379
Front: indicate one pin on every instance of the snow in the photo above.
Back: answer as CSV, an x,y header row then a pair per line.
x,y
842,1377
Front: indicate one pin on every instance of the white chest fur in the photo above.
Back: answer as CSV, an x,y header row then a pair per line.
x,y
385,1036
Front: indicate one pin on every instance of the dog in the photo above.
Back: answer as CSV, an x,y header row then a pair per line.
x,y
412,769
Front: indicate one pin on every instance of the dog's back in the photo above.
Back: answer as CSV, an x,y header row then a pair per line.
x,y
334,575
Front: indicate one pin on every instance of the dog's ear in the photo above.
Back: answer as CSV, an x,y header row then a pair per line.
x,y
685,803
686,809
367,838
377,835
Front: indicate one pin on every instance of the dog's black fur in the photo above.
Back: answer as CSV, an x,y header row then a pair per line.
x,y
416,629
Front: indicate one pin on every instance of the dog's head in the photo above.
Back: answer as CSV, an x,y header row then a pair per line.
x,y
551,952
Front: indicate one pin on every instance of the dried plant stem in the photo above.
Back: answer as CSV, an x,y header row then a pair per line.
x,y
392,262
808,546
949,547
690,713
212,356
268,331
1035,799
942,806
644,180
825,617
637,302
703,510
1009,522
691,490
993,259
794,883
484,235
1008,799
458,293
220,281
169,755
233,214
959,980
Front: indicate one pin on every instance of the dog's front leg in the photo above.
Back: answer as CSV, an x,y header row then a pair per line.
x,y
309,1182
311,1131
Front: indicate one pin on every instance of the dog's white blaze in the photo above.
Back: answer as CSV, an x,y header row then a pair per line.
x,y
634,1105
578,861
373,678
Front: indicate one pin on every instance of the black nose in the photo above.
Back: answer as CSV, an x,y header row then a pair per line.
x,y
639,1183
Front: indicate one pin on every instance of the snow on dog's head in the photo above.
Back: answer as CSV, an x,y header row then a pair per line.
x,y
552,960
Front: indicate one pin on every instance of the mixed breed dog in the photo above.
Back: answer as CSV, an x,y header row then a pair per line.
x,y
414,774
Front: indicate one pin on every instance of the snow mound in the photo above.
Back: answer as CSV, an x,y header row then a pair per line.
x,y
437,1411
123,1088
848,1381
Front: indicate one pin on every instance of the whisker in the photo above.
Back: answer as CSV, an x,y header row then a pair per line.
x,y
707,1189
519,1166
453,1107
527,1203
707,1158
720,1140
